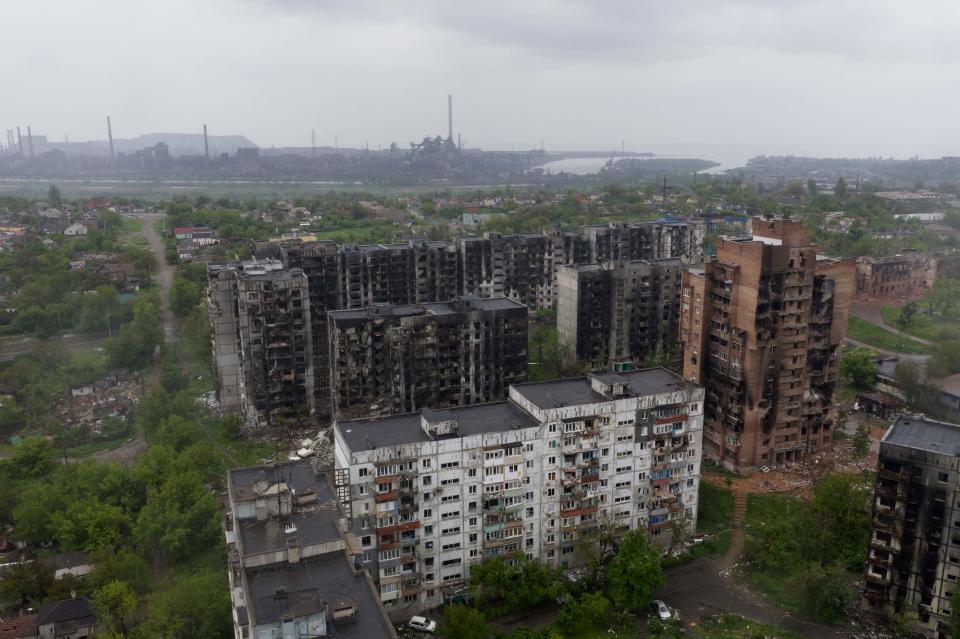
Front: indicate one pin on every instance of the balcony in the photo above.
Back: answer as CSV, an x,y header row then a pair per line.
x,y
385,497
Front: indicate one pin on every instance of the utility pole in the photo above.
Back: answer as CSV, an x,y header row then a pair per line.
x,y
110,139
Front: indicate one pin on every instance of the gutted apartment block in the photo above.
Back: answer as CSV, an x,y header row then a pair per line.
x,y
294,569
898,277
761,326
387,359
618,312
261,333
433,493
344,277
913,564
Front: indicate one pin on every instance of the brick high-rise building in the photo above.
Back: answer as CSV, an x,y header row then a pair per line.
x,y
761,326
616,312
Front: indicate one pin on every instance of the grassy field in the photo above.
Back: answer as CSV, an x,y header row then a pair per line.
x,y
922,326
734,627
878,337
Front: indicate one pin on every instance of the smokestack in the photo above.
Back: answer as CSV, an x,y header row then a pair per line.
x,y
110,138
450,117
30,140
10,141
313,143
206,146
19,140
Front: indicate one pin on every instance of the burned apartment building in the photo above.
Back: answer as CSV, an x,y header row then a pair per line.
x,y
761,325
387,359
896,277
619,312
913,563
435,492
260,321
293,566
344,277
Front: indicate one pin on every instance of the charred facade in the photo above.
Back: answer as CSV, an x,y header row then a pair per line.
x,y
913,564
618,312
338,277
761,325
387,359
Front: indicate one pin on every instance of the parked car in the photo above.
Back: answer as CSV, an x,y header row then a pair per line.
x,y
422,624
661,609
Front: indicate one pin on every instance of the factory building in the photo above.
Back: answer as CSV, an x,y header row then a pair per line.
x,y
620,312
913,564
761,326
387,359
435,492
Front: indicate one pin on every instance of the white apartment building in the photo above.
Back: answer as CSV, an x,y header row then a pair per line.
x,y
435,492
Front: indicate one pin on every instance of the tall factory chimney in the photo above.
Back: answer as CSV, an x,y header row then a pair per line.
x,y
313,143
450,118
10,141
19,140
30,140
110,138
206,146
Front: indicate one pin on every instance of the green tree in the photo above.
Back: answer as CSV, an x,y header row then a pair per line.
x,y
910,380
185,296
26,582
91,524
859,368
116,603
943,296
53,195
34,458
591,610
840,190
812,187
180,519
635,572
136,341
839,520
464,622
955,615
861,440
123,565
194,606
907,312
827,592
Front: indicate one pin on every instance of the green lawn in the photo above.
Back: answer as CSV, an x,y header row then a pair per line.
x,y
878,337
780,583
922,325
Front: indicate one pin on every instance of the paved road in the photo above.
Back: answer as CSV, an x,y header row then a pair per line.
x,y
14,347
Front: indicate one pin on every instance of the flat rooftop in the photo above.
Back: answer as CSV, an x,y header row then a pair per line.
x,y
914,431
246,483
281,590
579,390
316,521
370,434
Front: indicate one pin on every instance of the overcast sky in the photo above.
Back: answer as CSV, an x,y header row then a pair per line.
x,y
718,77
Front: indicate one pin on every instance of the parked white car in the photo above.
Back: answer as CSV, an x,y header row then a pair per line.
x,y
661,609
423,624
